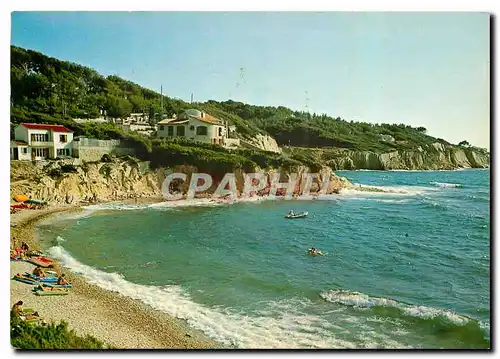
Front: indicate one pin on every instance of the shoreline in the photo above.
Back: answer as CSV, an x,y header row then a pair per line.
x,y
90,309
119,321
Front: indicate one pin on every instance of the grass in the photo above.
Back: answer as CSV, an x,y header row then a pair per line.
x,y
50,336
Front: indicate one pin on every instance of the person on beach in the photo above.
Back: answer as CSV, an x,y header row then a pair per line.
x,y
18,312
61,280
47,288
24,247
17,309
39,272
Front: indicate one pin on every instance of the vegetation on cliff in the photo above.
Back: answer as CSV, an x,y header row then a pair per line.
x,y
218,160
47,90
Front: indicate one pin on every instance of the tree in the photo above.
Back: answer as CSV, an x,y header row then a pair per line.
x,y
118,107
464,144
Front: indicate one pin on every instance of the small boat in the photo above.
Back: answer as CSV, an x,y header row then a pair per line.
x,y
298,215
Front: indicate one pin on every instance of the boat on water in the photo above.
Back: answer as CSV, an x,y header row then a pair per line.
x,y
298,215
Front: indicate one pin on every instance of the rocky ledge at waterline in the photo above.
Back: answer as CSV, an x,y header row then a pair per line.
x,y
58,182
436,157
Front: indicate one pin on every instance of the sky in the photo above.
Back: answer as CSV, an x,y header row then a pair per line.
x,y
420,69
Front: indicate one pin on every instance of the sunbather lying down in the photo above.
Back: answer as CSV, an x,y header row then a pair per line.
x,y
31,316
48,288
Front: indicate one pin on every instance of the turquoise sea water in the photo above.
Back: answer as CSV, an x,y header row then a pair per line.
x,y
406,269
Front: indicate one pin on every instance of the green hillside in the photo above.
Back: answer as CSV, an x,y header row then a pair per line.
x,y
45,89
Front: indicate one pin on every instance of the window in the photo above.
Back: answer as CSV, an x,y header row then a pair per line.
x,y
39,137
181,131
161,127
24,150
201,130
63,151
191,128
41,152
63,138
220,131
170,130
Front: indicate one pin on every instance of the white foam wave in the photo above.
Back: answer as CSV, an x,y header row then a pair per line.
x,y
383,191
60,239
198,202
115,206
485,326
454,170
289,329
446,185
361,300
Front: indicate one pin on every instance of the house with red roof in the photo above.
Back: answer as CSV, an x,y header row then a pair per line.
x,y
194,125
41,141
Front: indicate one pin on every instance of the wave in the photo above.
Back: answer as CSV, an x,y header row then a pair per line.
x,y
378,191
166,205
60,239
286,328
293,323
364,301
384,171
446,185
434,321
115,207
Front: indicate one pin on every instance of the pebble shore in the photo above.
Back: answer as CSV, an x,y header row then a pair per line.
x,y
120,322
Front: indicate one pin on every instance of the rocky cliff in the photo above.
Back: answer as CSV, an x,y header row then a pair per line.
x,y
263,142
434,157
58,182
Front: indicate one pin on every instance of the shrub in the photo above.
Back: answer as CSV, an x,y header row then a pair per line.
x,y
51,336
68,169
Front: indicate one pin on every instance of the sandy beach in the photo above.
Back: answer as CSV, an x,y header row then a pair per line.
x,y
119,321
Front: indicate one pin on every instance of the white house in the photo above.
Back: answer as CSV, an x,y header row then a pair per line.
x,y
39,141
194,125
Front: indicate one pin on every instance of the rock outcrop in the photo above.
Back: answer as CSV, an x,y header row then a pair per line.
x,y
263,142
60,183
434,157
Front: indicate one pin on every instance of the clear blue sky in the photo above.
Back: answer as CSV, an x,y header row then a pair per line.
x,y
421,69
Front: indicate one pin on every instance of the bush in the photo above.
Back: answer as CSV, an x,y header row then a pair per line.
x,y
51,336
55,173
68,169
106,158
171,153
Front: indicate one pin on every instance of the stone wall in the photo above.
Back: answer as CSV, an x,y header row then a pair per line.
x,y
90,150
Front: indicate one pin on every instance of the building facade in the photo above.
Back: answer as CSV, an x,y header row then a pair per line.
x,y
40,141
194,125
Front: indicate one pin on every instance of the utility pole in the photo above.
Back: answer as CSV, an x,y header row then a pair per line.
x,y
161,102
191,98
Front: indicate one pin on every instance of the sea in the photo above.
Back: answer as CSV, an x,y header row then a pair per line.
x,y
408,268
